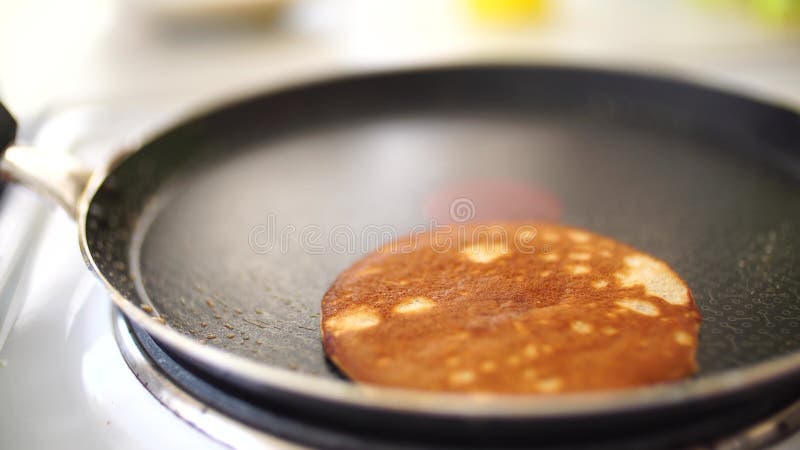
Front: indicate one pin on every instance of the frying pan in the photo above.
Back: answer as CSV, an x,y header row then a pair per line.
x,y
704,179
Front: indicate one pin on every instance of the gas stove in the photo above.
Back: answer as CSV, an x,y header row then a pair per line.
x,y
74,372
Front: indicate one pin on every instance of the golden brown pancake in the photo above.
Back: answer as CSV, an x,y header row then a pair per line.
x,y
511,308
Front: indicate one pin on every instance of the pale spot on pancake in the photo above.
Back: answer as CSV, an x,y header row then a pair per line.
x,y
529,374
683,338
356,319
513,360
580,269
519,278
550,236
550,385
485,252
414,305
531,351
639,306
545,273
520,327
599,284
488,366
580,256
609,331
384,361
452,361
579,236
369,271
547,348
550,257
656,277
605,253
581,327
462,377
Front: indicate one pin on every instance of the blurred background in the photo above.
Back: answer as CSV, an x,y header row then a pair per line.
x,y
56,53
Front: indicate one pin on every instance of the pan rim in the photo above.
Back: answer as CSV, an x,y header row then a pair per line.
x,y
468,406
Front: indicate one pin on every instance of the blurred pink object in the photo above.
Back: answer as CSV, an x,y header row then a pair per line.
x,y
492,201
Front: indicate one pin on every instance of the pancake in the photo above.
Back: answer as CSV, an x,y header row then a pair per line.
x,y
510,308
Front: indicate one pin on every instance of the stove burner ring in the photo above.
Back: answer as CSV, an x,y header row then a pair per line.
x,y
238,423
152,373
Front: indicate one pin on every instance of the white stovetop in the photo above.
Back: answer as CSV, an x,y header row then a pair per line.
x,y
63,382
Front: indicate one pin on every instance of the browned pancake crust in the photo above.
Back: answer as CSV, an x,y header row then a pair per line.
x,y
550,309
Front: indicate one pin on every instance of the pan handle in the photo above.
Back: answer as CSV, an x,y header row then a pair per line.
x,y
8,128
57,176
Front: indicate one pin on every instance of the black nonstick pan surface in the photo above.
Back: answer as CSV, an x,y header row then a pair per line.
x,y
222,224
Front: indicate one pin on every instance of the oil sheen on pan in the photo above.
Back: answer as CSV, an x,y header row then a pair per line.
x,y
510,308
